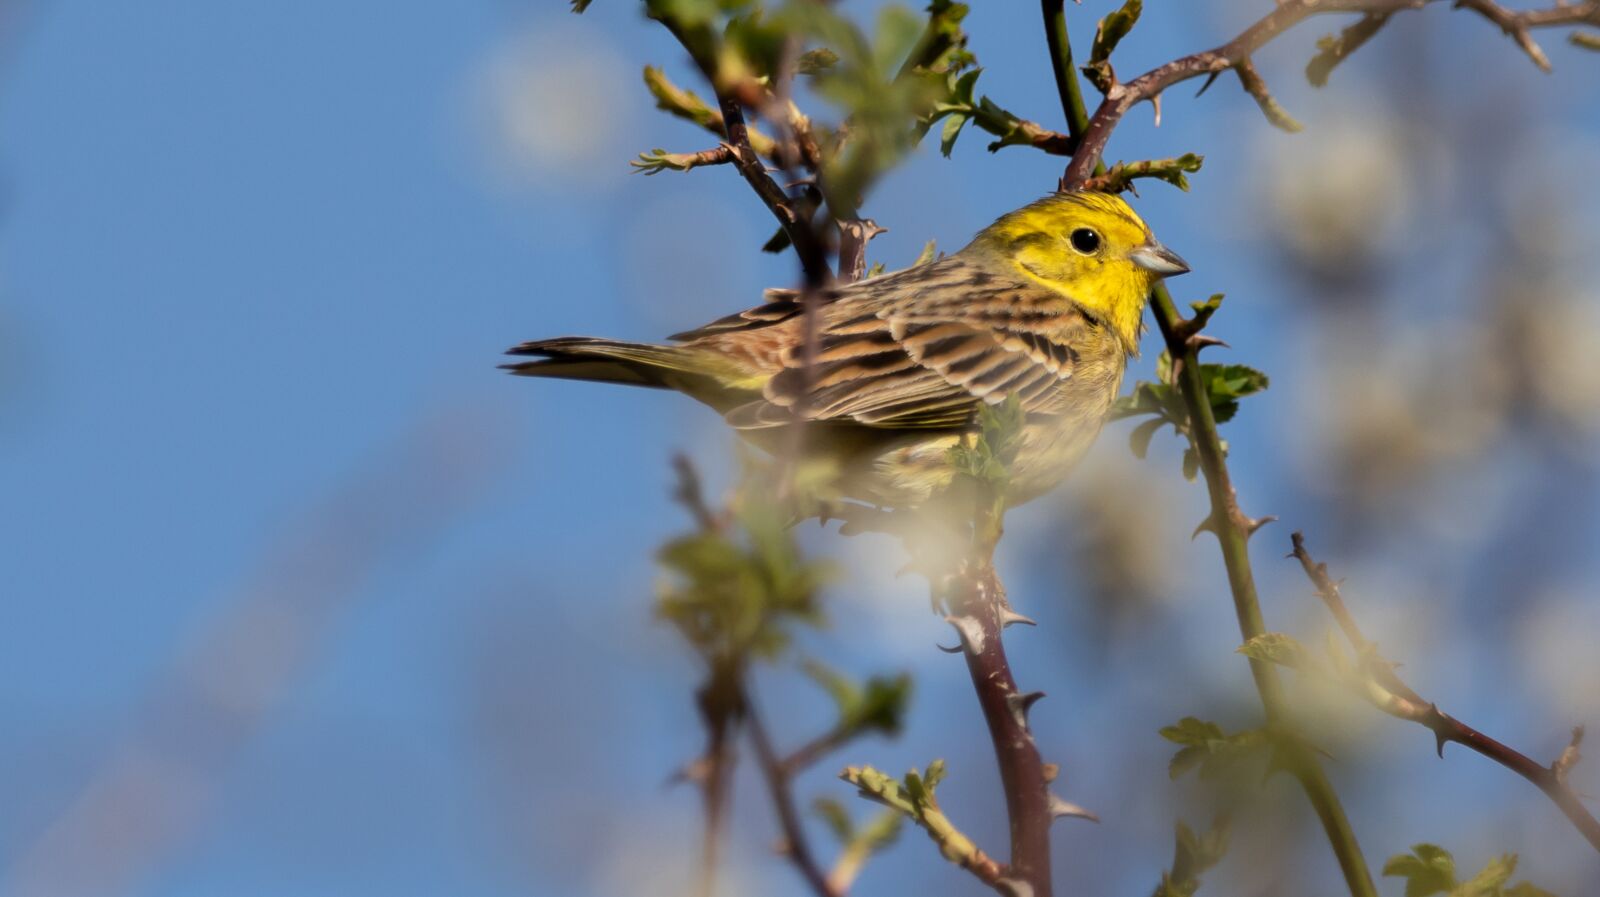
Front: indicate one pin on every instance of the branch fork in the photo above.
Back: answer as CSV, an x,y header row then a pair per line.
x,y
1376,679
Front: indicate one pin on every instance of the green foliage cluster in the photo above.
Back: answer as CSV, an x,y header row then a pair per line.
x,y
987,456
1107,34
737,587
878,705
913,797
732,591
1429,869
1206,747
1163,402
1192,855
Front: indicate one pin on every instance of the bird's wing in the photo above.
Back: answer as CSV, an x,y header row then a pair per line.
x,y
925,351
780,306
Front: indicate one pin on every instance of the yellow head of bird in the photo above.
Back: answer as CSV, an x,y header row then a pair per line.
x,y
1090,247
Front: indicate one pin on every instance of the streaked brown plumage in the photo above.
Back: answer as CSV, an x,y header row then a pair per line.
x,y
904,360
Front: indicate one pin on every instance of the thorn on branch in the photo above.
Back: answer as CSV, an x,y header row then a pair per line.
x,y
1009,617
1060,808
1256,86
1202,340
971,631
1251,524
1020,704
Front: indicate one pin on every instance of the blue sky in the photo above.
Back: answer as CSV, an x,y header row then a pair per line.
x,y
257,263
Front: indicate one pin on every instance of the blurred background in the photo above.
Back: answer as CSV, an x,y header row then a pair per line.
x,y
301,595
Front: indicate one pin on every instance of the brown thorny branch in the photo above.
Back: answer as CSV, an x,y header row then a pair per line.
x,y
713,771
1394,697
1182,335
975,598
1235,54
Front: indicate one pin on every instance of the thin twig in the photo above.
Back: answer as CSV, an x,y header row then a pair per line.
x,y
793,217
717,700
691,495
659,160
1405,703
806,755
1232,528
1067,85
1120,97
1518,25
796,846
1333,50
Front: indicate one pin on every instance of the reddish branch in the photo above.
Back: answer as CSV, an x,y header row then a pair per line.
x,y
1405,703
780,786
1120,96
976,606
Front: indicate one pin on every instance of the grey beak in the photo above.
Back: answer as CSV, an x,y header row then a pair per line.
x,y
1158,260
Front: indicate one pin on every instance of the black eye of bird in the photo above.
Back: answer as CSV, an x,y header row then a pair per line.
x,y
1085,241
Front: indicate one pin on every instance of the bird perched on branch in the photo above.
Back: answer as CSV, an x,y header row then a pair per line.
x,y
1045,304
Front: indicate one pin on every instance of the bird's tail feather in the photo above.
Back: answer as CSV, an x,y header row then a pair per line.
x,y
605,361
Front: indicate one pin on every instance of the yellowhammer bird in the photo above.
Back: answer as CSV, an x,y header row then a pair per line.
x,y
1045,304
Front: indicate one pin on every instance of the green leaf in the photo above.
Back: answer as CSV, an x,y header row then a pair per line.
x,y
914,797
1278,648
1490,879
988,456
1524,889
578,6
1192,730
1191,464
952,129
1227,383
813,61
929,253
879,705
1208,748
735,592
834,815
1139,439
1112,29
897,32
778,242
1428,869
1192,855
1146,398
